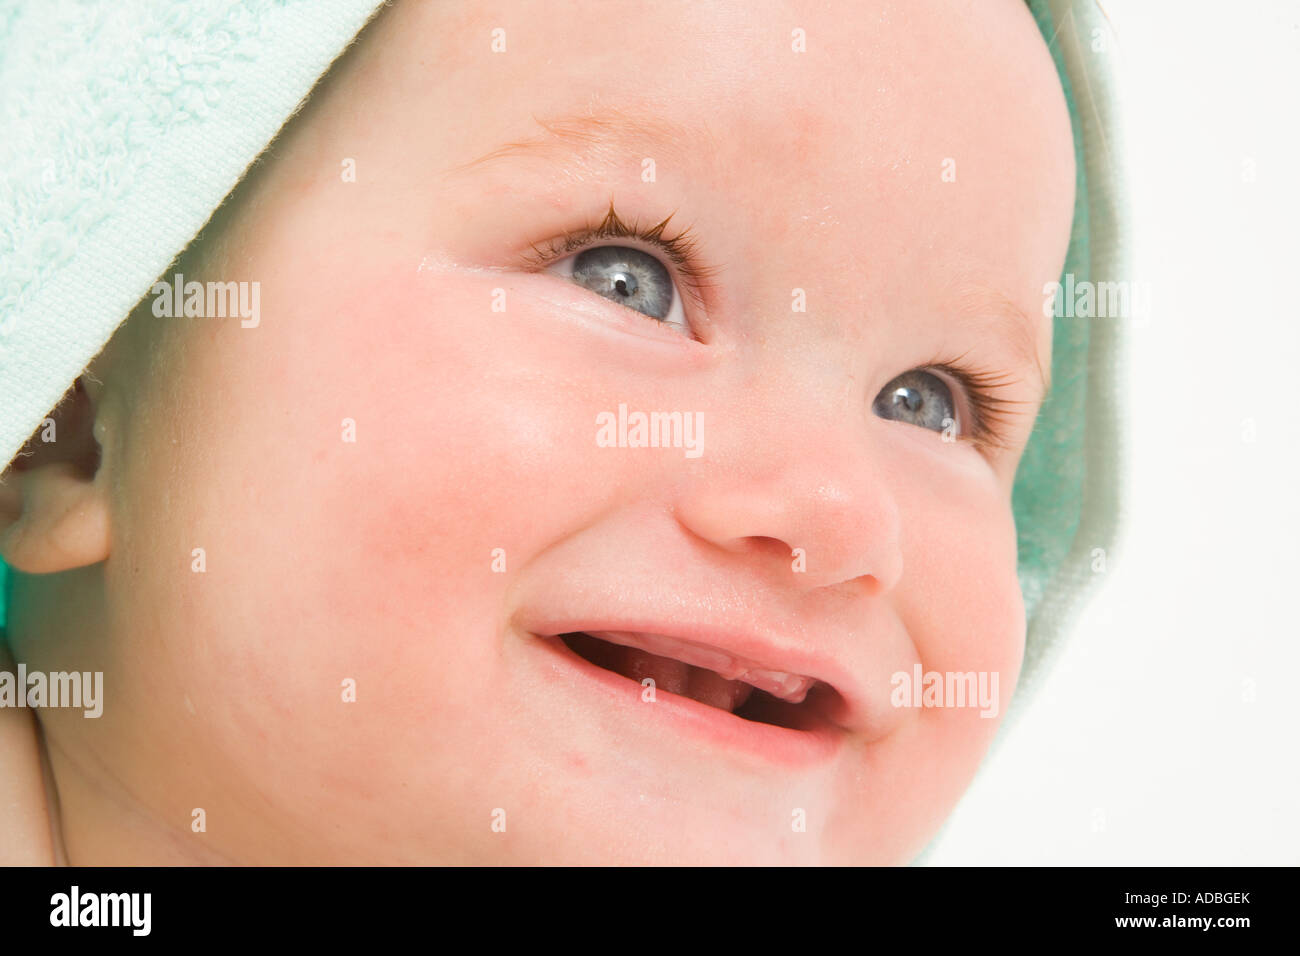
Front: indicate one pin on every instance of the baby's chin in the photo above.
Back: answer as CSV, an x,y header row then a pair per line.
x,y
614,806
533,755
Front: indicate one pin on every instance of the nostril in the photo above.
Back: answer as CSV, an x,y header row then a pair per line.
x,y
762,544
871,585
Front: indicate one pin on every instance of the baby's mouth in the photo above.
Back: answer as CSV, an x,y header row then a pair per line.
x,y
704,674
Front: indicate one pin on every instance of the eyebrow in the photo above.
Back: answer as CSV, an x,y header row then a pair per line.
x,y
608,136
977,303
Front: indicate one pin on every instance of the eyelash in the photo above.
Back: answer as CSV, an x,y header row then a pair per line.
x,y
990,414
680,249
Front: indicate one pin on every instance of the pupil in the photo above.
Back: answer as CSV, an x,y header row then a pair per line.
x,y
909,398
624,284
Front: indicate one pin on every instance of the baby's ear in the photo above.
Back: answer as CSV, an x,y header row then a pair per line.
x,y
53,511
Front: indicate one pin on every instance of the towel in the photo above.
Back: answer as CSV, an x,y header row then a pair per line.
x,y
124,124
1067,498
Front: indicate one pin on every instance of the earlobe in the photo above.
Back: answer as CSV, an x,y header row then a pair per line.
x,y
54,512
63,522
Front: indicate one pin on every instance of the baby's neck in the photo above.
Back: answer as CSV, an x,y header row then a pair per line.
x,y
95,822
28,835
56,814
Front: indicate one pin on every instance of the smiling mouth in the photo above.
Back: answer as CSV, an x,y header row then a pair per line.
x,y
703,674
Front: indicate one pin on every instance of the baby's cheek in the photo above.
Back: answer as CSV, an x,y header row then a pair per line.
x,y
960,600
373,498
479,444
453,444
472,448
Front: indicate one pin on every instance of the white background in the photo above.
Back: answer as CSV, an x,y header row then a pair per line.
x,y
1167,732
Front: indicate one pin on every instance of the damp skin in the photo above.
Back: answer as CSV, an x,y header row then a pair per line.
x,y
371,560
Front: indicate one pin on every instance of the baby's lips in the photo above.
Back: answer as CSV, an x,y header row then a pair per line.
x,y
839,670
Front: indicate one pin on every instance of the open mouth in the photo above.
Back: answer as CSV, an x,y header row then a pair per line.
x,y
706,675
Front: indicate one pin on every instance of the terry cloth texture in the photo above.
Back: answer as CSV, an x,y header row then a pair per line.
x,y
124,124
1068,488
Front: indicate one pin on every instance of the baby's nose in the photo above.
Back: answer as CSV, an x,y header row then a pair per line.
x,y
812,504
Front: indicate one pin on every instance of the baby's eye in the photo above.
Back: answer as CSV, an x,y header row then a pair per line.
x,y
920,398
629,277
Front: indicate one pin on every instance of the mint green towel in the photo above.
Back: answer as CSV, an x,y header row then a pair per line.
x,y
123,123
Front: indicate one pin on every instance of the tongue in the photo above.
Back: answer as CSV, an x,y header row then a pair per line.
x,y
710,688
669,675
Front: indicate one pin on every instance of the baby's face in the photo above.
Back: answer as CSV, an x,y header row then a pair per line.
x,y
872,190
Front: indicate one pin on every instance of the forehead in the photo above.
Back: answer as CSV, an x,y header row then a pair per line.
x,y
922,146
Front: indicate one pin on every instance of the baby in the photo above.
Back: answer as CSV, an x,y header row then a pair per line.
x,y
624,438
